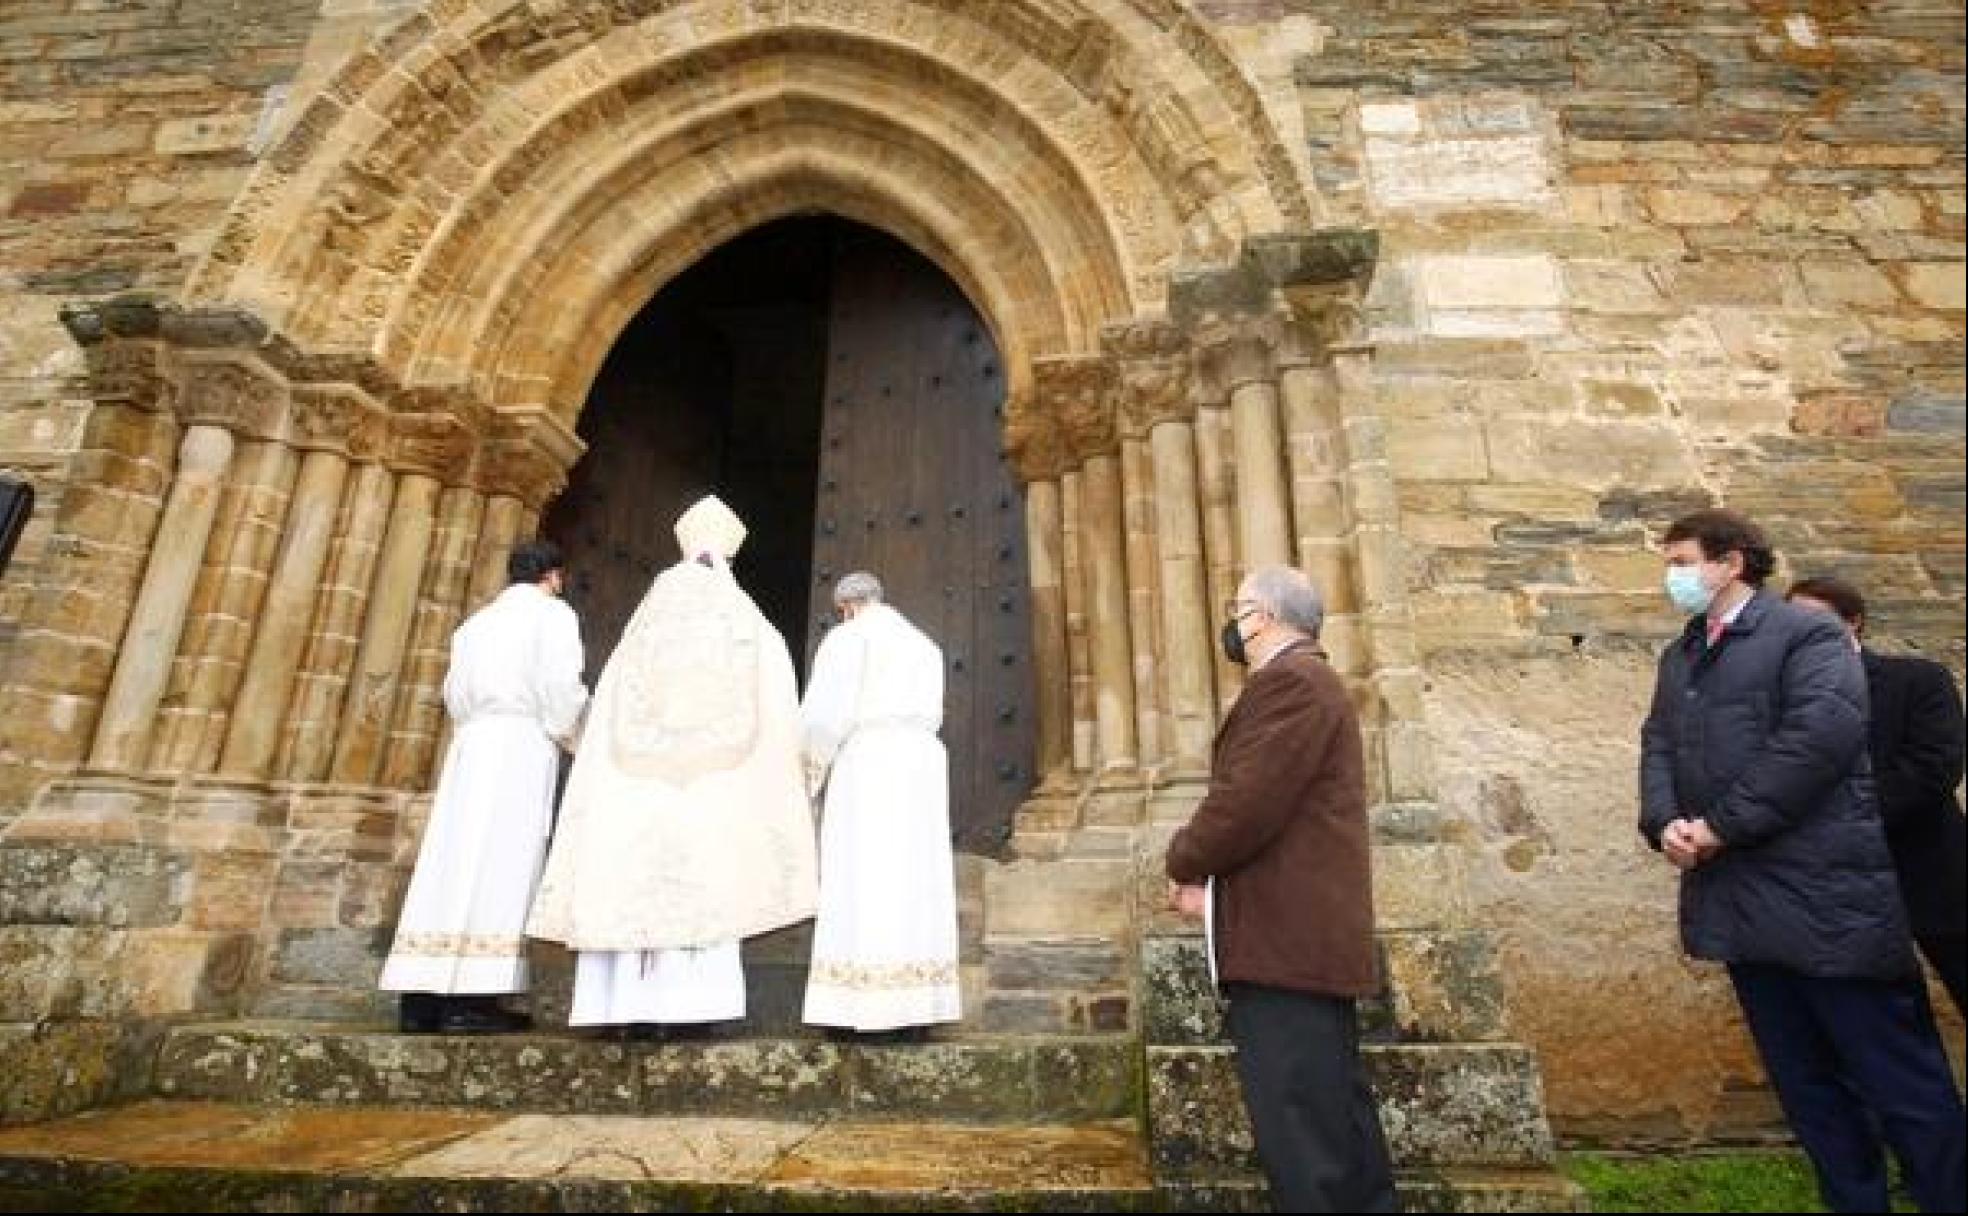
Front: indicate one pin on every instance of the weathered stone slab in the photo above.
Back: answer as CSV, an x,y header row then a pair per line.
x,y
1440,1106
367,1068
986,1082
1057,898
584,1075
117,886
54,1069
752,1077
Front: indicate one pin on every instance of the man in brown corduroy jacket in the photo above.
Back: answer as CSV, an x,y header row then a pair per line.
x,y
1281,842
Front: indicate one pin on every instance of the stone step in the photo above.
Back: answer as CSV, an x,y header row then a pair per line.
x,y
1442,1105
1008,1079
226,1157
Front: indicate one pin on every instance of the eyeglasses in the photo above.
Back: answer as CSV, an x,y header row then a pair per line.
x,y
1237,609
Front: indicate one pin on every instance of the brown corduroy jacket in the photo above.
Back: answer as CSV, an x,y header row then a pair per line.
x,y
1283,830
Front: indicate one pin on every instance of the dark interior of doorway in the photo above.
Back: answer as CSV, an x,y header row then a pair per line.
x,y
717,387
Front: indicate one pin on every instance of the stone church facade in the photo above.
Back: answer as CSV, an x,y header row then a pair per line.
x,y
1452,306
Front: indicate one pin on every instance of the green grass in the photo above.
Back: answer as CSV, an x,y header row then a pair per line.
x,y
1773,1181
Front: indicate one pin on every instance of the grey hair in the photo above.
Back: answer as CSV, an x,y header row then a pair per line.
x,y
1289,595
859,587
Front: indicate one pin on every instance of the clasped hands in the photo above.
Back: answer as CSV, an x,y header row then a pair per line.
x,y
1187,898
1689,842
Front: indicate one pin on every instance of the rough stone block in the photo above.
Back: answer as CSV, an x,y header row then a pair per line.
x,y
367,1069
90,884
56,1069
1928,414
1064,898
222,1064
756,1077
1418,886
983,1081
1440,1106
1443,987
1937,285
1054,964
1084,1081
351,957
584,1076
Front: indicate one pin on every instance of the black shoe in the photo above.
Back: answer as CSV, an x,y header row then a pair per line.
x,y
419,1012
483,1019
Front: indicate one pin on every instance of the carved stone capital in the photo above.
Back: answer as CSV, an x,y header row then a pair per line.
x,y
1033,442
337,418
1330,318
1240,348
1078,391
129,372
527,455
438,445
234,390
1152,363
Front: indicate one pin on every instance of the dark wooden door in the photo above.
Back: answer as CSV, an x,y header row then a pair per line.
x,y
912,486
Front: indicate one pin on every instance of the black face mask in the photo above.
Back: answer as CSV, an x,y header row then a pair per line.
x,y
1233,644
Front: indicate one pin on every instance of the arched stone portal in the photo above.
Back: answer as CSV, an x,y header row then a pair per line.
x,y
312,462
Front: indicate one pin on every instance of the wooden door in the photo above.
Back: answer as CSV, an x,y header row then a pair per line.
x,y
913,487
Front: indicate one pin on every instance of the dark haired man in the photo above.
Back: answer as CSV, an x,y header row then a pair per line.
x,y
1754,782
1916,745
515,697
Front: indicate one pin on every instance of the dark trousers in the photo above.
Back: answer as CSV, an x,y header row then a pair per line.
x,y
1317,1128
1947,954
1852,1059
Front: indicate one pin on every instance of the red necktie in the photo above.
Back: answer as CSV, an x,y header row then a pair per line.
x,y
1716,628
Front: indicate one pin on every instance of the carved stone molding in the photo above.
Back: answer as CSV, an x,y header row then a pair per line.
x,y
1033,442
1153,363
1078,391
233,390
338,418
527,455
438,444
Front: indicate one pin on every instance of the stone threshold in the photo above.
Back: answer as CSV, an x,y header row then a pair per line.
x,y
1010,1079
211,1156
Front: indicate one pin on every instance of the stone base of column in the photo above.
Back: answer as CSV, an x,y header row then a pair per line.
x,y
106,808
1177,800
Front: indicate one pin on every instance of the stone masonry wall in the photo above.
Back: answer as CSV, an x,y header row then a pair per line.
x,y
1637,258
126,129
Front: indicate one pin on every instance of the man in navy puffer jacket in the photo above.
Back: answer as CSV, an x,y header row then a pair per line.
x,y
1754,782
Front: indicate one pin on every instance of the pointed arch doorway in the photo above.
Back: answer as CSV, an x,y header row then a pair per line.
x,y
844,396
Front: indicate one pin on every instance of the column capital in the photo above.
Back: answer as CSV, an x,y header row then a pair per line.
x,y
1033,442
233,389
1328,319
1078,391
1236,349
1152,360
437,444
337,418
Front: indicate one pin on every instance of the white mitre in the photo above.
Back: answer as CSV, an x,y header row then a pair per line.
x,y
709,527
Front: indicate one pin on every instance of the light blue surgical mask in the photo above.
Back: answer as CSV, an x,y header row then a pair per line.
x,y
1686,588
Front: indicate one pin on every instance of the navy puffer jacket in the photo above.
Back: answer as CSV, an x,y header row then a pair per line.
x,y
1764,736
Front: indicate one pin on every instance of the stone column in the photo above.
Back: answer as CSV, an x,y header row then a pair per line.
x,y
1216,488
1107,617
496,537
1080,392
1243,352
1079,659
1032,443
419,717
308,733
1143,577
426,447
143,663
226,602
386,631
1153,360
1188,637
275,659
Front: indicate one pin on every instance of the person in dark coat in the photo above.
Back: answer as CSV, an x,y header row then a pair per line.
x,y
1915,740
1754,782
1280,840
